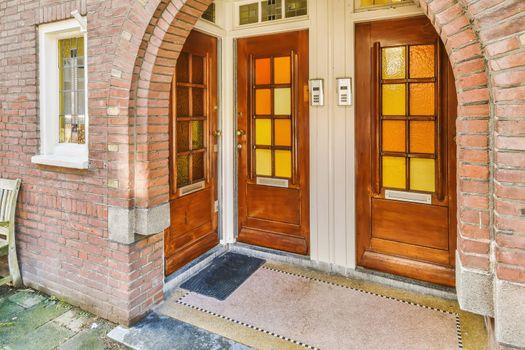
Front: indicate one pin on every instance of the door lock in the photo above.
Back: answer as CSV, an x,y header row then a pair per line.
x,y
241,132
239,146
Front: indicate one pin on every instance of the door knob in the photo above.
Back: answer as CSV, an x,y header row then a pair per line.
x,y
241,132
217,133
239,146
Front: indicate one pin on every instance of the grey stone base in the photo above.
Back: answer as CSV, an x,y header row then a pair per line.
x,y
125,224
509,309
474,290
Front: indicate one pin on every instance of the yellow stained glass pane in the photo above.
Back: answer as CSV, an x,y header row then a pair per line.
x,y
394,99
393,135
394,172
283,163
422,99
283,101
422,61
281,69
262,71
422,136
393,62
263,132
422,174
283,132
263,101
263,162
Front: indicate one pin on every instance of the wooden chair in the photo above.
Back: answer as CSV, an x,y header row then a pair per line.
x,y
8,196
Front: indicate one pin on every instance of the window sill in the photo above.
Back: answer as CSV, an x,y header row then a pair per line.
x,y
61,161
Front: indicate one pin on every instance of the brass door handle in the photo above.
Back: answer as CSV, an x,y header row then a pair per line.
x,y
241,132
239,146
217,133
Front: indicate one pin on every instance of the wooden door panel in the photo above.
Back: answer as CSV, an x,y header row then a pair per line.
x,y
410,239
417,224
272,73
193,120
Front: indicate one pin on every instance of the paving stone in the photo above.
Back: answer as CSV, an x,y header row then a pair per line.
x,y
8,308
20,324
158,332
73,319
26,298
90,338
45,337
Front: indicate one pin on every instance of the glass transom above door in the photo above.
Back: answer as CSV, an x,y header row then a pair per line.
x,y
259,11
272,118
408,117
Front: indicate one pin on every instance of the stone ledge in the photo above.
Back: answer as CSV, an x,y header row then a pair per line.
x,y
125,224
474,289
509,309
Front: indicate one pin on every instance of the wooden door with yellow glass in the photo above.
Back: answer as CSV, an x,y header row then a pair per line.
x,y
193,157
272,136
406,155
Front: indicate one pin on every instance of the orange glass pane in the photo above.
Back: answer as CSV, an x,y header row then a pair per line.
x,y
393,62
422,174
393,99
283,132
283,163
394,172
262,71
281,67
422,99
394,135
422,61
422,137
263,101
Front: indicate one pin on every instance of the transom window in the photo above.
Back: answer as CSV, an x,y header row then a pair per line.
x,y
272,117
409,117
372,4
271,10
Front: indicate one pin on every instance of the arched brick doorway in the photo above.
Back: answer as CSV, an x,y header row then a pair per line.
x,y
482,39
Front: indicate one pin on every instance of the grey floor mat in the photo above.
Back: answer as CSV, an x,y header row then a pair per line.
x,y
223,276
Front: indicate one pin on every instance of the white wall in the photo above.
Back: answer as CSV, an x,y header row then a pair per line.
x,y
332,205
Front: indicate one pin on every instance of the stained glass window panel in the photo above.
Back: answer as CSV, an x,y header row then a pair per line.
x,y
263,132
393,62
422,137
283,163
282,70
393,136
283,102
183,101
183,171
183,69
197,69
422,61
271,10
422,174
422,99
394,172
294,8
283,132
262,71
197,165
198,102
393,99
263,162
263,101
197,134
249,13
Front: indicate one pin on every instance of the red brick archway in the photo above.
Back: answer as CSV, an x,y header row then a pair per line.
x,y
485,41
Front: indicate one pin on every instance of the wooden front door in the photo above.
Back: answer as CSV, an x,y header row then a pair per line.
x,y
193,122
406,155
272,136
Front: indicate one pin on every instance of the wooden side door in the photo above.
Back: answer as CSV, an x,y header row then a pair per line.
x,y
406,155
193,173
273,157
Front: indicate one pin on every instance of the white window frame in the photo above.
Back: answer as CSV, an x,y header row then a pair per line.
x,y
260,22
52,152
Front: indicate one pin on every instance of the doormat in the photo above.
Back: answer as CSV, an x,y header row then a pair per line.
x,y
223,276
324,315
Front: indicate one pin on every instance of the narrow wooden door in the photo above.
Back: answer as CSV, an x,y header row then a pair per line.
x,y
272,106
193,123
406,155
